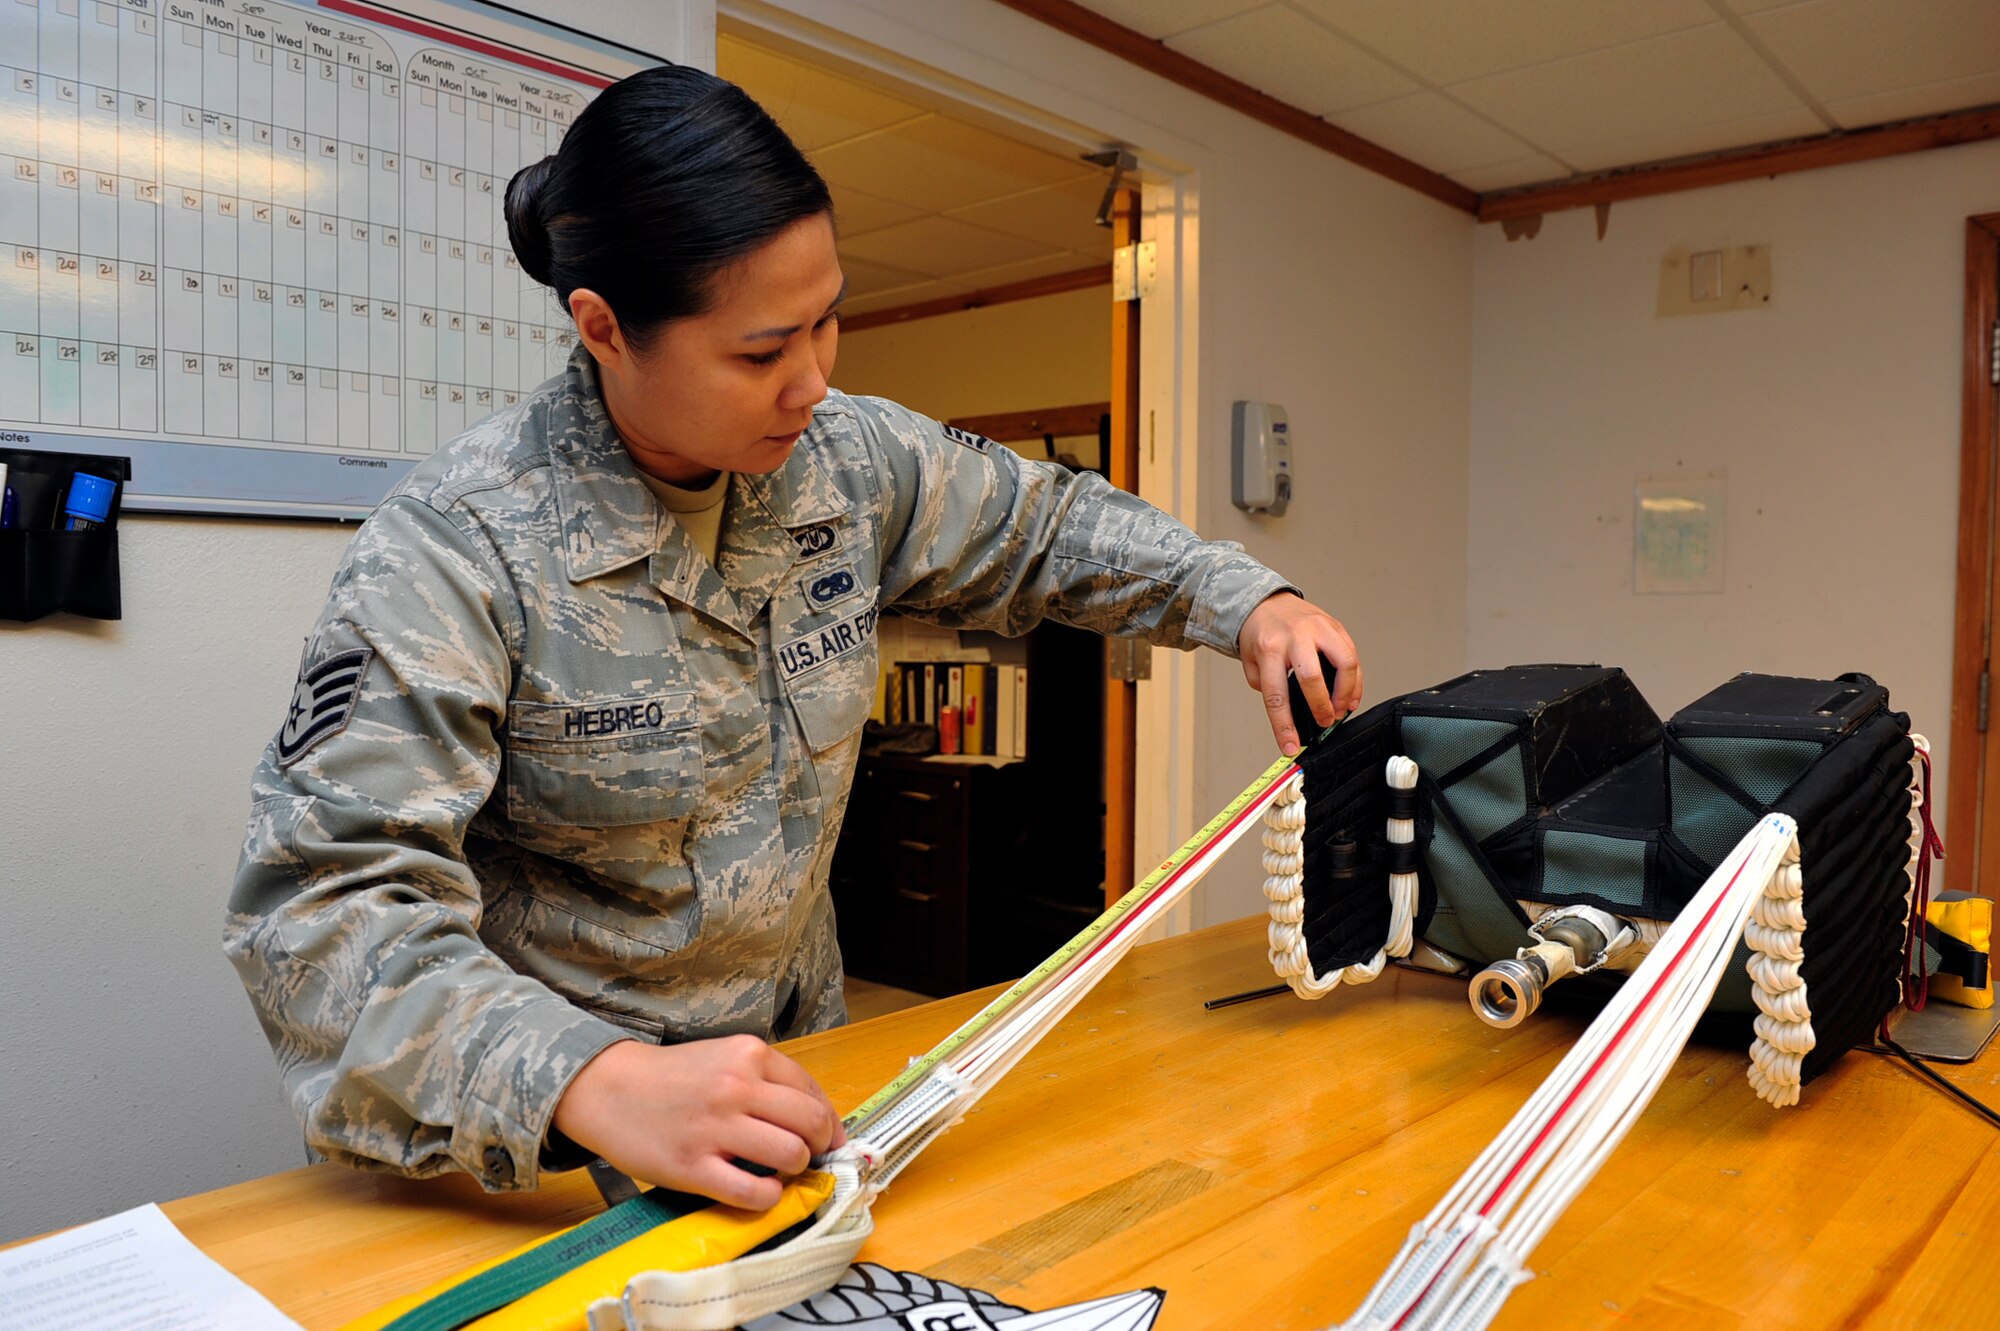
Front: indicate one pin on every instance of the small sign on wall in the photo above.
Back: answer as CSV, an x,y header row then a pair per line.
x,y
1677,531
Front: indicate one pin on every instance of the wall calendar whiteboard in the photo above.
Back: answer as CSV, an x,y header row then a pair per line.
x,y
258,247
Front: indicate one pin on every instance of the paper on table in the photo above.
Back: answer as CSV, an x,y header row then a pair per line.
x,y
122,1273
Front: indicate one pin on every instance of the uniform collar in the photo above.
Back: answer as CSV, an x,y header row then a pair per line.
x,y
610,519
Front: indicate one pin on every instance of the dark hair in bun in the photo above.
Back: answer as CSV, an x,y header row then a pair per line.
x,y
667,177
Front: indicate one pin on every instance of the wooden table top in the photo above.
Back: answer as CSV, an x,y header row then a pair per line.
x,y
1263,1162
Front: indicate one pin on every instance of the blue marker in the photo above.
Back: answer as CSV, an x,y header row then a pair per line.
x,y
10,507
88,506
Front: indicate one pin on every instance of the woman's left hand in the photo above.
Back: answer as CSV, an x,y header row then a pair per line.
x,y
1286,635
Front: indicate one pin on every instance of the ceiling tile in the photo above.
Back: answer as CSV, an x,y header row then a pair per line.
x,y
859,213
938,164
940,247
1926,100
1474,40
1694,139
1654,87
1047,266
1294,60
1841,49
1530,170
865,279
1430,128
815,107
1060,217
1159,18
908,294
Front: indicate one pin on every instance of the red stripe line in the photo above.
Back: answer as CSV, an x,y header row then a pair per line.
x,y
389,18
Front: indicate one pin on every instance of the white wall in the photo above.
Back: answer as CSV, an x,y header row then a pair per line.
x,y
1332,291
1834,412
131,1068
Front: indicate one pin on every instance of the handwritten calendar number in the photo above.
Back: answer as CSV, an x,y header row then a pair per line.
x,y
295,376
511,330
107,270
24,83
428,318
390,237
326,71
485,256
65,90
428,245
225,205
226,287
510,398
67,265
27,346
329,148
107,100
360,156
146,360
107,184
69,351
190,281
295,219
142,107
27,170
427,171
457,250
456,323
326,227
262,212
225,367
428,392
144,275
261,372
360,231
485,327
457,176
457,397
67,176
107,355
358,308
325,303
261,294
295,141
190,365
149,191
190,199
295,299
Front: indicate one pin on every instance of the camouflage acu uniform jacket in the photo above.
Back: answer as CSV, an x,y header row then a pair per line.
x,y
550,779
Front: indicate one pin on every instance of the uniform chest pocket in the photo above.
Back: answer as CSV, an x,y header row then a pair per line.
x,y
829,673
604,762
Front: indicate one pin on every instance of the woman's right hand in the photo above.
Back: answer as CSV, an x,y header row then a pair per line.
x,y
679,1115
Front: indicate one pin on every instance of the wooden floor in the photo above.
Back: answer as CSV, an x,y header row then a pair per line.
x,y
866,999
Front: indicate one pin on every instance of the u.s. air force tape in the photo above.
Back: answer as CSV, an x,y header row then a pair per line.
x,y
322,702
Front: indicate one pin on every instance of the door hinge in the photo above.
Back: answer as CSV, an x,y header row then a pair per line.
x,y
1128,659
1985,690
1993,356
1135,270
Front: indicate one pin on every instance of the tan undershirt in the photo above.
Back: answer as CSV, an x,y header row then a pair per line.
x,y
699,511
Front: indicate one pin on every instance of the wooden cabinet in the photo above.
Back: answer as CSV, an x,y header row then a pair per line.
x,y
929,857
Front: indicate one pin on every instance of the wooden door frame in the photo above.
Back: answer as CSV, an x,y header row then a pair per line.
x,y
1975,765
1121,468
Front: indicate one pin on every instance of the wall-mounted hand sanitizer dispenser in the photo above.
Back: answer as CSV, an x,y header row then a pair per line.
x,y
1261,444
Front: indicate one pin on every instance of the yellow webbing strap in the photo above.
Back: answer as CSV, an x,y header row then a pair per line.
x,y
707,1237
1969,919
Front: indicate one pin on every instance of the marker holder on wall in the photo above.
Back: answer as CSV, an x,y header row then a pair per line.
x,y
45,569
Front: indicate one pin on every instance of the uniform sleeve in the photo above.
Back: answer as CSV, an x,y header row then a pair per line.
x,y
403,1042
979,537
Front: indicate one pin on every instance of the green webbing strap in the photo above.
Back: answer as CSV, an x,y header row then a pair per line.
x,y
492,1290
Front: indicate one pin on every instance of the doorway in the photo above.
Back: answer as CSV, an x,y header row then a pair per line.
x,y
1973,812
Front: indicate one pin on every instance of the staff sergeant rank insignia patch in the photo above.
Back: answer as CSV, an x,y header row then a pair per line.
x,y
978,443
322,702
